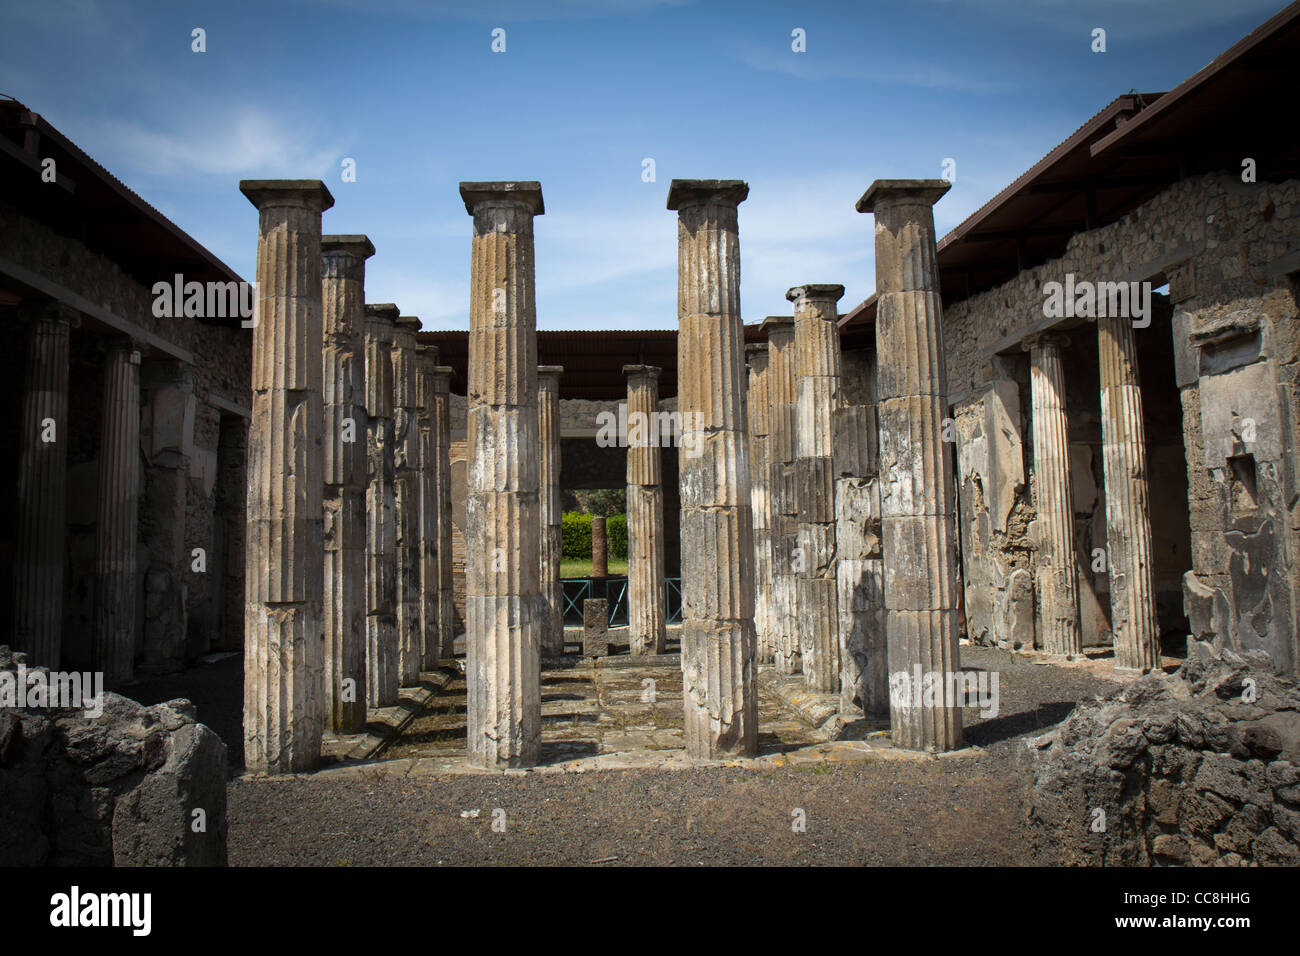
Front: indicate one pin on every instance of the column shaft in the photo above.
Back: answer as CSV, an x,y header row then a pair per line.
x,y
1056,570
781,388
817,367
502,515
117,529
551,550
382,662
343,275
756,406
917,494
1130,564
718,667
430,508
283,653
406,501
41,532
647,629
441,421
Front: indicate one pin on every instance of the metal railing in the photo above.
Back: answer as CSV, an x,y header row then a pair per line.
x,y
614,590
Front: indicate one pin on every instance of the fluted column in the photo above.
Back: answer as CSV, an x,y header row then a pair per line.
x,y
382,672
781,391
116,527
917,495
756,402
1130,565
646,613
817,371
1055,564
426,360
406,500
503,533
859,571
552,550
40,529
718,667
441,422
284,656
343,288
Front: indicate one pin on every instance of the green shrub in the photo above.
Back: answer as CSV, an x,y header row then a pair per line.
x,y
575,534
616,535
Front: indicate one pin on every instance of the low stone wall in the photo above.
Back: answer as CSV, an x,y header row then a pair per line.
x,y
120,789
1198,768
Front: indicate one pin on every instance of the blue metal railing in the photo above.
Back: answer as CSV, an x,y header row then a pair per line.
x,y
577,590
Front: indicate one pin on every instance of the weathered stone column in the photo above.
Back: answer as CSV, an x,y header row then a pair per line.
x,y
116,529
781,389
552,550
426,360
40,528
817,368
916,472
756,402
284,657
646,612
381,532
343,288
864,663
599,549
1130,565
718,668
503,534
1055,563
406,500
441,420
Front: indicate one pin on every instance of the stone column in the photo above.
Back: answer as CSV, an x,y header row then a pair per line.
x,y
406,500
646,597
117,530
41,526
817,369
756,402
599,549
284,656
552,550
864,663
1055,565
916,472
1130,565
441,421
426,360
502,514
718,668
781,388
343,288
382,672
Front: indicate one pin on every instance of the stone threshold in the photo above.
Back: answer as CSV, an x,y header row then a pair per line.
x,y
386,724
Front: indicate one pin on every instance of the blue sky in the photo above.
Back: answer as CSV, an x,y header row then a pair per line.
x,y
584,93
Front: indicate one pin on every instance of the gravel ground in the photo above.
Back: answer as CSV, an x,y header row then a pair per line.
x,y
949,811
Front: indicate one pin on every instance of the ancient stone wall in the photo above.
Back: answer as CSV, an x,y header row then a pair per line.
x,y
1227,249
183,456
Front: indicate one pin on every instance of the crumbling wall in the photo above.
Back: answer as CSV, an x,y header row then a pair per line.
x,y
1199,768
134,786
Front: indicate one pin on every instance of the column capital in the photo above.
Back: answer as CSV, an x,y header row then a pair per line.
x,y
123,343
683,192
357,246
777,325
428,353
526,192
814,293
1056,340
306,193
884,192
642,371
550,371
385,312
408,325
756,349
442,375
49,310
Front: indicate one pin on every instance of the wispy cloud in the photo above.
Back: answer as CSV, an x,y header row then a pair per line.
x,y
504,10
